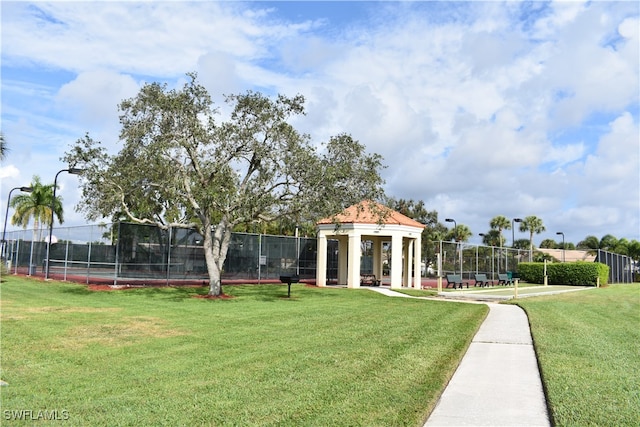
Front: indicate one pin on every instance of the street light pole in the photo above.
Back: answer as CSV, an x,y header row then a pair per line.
x,y
6,216
513,233
72,171
455,226
563,247
513,241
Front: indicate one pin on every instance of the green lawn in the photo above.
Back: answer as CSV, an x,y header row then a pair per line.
x,y
588,346
161,357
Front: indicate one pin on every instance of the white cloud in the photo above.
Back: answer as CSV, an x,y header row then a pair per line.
x,y
9,172
95,96
465,102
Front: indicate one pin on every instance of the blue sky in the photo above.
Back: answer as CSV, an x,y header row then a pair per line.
x,y
478,108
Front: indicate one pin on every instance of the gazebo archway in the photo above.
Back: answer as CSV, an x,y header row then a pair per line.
x,y
371,221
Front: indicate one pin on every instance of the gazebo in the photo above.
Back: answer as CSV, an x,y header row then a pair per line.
x,y
371,221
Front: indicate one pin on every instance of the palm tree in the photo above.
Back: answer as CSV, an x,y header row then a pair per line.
x,y
591,244
493,238
608,242
36,205
3,146
461,233
533,225
500,223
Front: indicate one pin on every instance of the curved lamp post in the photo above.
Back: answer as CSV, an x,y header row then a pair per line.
x,y
73,171
6,215
563,247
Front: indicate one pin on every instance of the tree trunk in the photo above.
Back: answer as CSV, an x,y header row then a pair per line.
x,y
216,245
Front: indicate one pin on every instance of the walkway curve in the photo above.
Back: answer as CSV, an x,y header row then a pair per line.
x,y
498,380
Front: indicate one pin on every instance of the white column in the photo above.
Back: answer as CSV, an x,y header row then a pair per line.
x,y
343,260
396,261
321,260
417,262
353,277
377,257
407,279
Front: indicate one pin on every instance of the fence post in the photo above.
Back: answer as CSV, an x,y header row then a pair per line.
x,y
66,259
259,256
439,261
117,253
89,259
169,256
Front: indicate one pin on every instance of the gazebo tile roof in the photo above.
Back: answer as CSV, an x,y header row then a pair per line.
x,y
368,212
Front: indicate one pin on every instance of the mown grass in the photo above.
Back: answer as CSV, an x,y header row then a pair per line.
x,y
161,357
588,347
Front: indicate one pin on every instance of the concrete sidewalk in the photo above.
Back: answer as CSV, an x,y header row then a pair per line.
x,y
498,382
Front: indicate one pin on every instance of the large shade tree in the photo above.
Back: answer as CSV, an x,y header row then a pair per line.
x,y
179,167
36,205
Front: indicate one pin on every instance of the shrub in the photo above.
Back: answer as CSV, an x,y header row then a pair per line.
x,y
569,273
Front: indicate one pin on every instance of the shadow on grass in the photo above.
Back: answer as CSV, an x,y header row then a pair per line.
x,y
264,293
177,294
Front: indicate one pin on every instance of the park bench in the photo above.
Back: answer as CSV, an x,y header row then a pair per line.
x,y
482,280
369,280
456,281
504,279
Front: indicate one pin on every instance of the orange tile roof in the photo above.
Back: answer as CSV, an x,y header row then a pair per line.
x,y
367,212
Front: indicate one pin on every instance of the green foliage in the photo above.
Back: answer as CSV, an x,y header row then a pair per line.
x,y
434,230
3,147
460,233
569,273
522,244
549,244
533,225
493,238
36,205
497,224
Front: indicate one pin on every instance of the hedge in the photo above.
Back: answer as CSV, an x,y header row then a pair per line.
x,y
568,273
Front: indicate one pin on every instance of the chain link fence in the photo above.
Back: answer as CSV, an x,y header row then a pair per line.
x,y
121,252
467,260
111,253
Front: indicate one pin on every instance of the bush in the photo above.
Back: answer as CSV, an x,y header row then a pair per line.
x,y
569,273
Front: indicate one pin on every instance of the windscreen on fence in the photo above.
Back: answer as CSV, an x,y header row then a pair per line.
x,y
621,267
125,251
122,251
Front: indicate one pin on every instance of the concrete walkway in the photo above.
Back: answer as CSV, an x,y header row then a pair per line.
x,y
498,381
